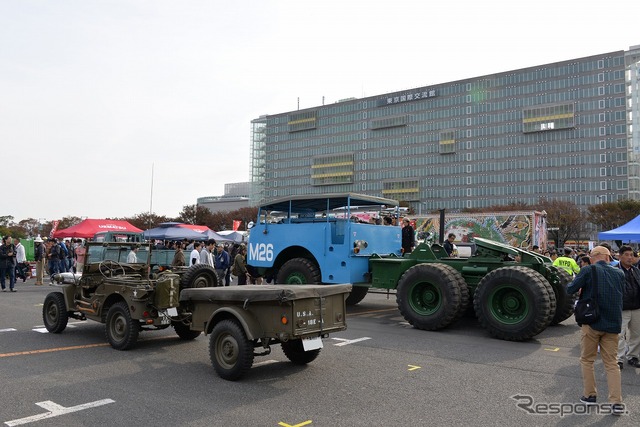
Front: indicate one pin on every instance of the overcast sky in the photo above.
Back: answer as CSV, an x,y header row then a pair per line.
x,y
93,94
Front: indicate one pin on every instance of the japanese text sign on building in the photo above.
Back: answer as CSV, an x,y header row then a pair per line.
x,y
413,95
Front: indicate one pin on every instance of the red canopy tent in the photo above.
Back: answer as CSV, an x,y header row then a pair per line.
x,y
89,227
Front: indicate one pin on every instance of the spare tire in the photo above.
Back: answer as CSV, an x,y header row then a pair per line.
x,y
199,276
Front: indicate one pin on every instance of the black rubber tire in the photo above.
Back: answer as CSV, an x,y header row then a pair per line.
x,y
298,271
54,313
199,276
559,279
357,294
230,351
512,303
429,296
465,298
184,332
294,351
121,330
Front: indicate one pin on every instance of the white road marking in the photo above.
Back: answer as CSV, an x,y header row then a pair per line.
x,y
43,330
8,330
347,342
56,410
265,362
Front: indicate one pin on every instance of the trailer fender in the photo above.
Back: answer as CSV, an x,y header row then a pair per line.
x,y
245,319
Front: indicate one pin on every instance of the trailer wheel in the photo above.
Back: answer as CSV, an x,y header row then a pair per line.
x,y
184,332
429,296
121,330
559,279
199,276
230,351
294,351
54,313
298,271
512,303
357,294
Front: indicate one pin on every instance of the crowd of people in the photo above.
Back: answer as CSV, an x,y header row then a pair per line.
x,y
612,281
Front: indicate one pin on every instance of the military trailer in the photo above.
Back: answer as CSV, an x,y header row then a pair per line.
x,y
243,319
514,293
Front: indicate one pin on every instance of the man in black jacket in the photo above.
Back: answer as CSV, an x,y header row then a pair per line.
x,y
630,335
408,237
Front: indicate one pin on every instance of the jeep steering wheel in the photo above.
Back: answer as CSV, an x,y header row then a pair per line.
x,y
109,268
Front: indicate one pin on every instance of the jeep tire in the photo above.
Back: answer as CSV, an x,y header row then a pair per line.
x,y
184,331
121,330
54,313
199,276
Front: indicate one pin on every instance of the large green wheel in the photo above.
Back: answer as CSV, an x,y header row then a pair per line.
x,y
430,295
298,271
513,303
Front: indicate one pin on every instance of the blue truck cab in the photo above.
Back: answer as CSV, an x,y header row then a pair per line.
x,y
319,239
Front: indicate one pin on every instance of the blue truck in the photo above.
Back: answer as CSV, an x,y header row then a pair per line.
x,y
322,239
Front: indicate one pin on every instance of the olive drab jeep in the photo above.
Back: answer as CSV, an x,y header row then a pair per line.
x,y
127,298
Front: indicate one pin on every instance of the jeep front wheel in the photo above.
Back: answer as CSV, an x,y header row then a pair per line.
x,y
122,331
230,350
54,313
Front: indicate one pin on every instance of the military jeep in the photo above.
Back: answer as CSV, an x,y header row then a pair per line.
x,y
127,298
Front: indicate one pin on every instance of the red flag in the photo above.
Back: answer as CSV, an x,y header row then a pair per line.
x,y
236,224
54,227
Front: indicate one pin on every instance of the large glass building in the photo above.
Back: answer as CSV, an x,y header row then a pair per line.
x,y
567,130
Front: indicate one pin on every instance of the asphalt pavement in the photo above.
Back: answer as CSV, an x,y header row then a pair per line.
x,y
379,372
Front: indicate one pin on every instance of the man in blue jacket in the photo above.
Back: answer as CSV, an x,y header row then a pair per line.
x,y
604,332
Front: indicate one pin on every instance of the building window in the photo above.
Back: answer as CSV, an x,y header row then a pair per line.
x,y
549,117
335,169
389,122
447,142
302,121
603,158
407,190
603,171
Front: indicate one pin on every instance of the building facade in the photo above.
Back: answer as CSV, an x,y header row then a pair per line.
x,y
567,130
236,196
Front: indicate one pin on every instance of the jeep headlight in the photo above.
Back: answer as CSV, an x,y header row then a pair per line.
x,y
358,245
